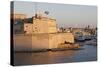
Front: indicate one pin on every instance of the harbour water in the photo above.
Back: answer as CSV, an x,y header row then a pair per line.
x,y
89,53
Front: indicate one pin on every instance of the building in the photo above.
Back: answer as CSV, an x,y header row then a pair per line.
x,y
41,24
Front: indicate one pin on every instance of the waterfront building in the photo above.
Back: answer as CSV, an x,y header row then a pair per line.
x,y
17,16
41,24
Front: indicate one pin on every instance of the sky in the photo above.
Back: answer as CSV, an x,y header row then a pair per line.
x,y
66,15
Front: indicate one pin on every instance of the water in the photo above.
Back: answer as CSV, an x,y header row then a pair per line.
x,y
88,54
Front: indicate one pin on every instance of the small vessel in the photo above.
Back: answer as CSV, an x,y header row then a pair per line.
x,y
88,37
79,37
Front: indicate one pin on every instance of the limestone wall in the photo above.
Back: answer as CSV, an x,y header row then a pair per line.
x,y
40,26
22,42
44,26
41,41
55,39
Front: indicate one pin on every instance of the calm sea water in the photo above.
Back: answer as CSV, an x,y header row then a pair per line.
x,y
88,54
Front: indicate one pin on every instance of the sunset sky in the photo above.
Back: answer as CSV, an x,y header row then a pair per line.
x,y
67,15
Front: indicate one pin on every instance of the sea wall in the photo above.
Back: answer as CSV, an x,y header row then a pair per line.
x,y
22,42
58,38
41,41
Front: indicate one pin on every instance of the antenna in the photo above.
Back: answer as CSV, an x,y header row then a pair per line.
x,y
35,7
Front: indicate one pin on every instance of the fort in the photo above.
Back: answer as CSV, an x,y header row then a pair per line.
x,y
42,33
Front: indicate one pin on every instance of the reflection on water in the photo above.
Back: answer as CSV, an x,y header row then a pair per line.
x,y
88,54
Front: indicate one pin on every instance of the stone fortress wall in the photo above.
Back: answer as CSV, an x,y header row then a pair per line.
x,y
41,41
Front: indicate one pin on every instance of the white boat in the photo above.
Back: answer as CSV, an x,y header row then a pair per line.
x,y
79,36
